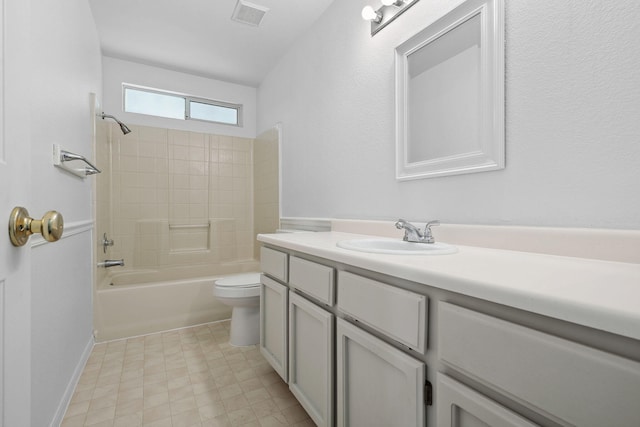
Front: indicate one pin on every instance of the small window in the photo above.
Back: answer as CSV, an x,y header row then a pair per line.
x,y
213,112
153,103
183,107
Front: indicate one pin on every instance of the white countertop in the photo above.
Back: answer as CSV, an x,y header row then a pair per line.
x,y
600,294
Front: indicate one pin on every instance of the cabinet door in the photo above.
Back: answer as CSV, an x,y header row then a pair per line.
x,y
273,324
311,358
460,406
377,384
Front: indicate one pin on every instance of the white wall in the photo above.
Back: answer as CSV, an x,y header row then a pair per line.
x,y
572,124
117,71
65,68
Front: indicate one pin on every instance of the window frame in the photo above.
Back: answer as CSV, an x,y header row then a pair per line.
x,y
187,105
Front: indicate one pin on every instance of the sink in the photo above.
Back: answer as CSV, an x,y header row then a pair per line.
x,y
396,247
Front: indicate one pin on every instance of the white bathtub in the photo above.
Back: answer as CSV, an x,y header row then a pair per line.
x,y
141,302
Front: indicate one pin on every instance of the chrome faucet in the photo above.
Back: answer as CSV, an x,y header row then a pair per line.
x,y
413,234
111,263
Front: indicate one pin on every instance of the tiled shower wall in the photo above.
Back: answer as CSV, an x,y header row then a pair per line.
x,y
266,191
173,198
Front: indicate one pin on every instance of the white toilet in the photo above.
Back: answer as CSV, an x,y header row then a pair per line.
x,y
242,293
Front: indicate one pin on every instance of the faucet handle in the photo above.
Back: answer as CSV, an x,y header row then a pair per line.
x,y
428,236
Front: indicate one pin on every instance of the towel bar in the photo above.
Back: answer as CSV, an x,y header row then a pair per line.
x,y
61,156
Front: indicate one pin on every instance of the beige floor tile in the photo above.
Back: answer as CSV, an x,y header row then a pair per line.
x,y
275,420
183,405
73,421
131,420
235,403
215,409
151,401
100,415
156,413
128,407
80,408
221,421
190,377
165,422
186,419
241,417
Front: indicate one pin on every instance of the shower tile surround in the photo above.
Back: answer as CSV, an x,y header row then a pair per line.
x,y
186,377
174,198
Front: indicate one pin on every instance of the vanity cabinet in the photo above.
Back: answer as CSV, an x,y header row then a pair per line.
x,y
377,384
297,329
366,348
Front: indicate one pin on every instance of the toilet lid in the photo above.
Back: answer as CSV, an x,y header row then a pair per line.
x,y
246,280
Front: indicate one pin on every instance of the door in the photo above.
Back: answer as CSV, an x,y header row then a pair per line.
x,y
311,358
460,406
15,184
273,324
377,385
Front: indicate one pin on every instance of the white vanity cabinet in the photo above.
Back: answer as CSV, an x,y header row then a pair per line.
x,y
360,347
377,384
274,307
297,329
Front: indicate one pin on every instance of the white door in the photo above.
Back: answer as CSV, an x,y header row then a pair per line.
x,y
15,185
311,358
377,385
273,324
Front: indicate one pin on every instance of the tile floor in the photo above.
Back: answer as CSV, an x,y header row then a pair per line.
x,y
182,378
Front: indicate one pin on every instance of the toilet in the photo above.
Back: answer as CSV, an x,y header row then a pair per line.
x,y
242,293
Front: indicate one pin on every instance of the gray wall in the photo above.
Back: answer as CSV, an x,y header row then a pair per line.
x,y
65,68
572,123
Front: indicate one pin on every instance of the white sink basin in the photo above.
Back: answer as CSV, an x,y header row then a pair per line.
x,y
396,247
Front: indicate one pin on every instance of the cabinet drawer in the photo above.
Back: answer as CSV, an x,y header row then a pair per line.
x,y
274,263
313,279
395,312
577,384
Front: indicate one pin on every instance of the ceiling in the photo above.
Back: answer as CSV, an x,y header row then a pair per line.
x,y
199,37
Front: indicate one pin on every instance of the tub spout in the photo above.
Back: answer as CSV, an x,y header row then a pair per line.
x,y
111,263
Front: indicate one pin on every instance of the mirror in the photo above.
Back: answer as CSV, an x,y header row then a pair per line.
x,y
450,94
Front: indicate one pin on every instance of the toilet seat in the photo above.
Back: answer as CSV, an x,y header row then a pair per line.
x,y
238,286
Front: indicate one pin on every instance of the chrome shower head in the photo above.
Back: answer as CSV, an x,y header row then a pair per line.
x,y
123,127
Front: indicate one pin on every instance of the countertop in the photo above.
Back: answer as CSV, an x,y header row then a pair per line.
x,y
600,294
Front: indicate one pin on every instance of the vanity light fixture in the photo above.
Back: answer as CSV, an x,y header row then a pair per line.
x,y
386,13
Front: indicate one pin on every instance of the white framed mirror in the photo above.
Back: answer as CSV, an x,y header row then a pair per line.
x,y
450,94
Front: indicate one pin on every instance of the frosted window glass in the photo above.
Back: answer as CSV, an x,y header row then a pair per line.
x,y
154,104
213,113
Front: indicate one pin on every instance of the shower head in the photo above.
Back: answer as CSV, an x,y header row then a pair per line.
x,y
123,127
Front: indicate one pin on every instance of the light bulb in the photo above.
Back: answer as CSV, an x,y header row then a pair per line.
x,y
392,2
370,14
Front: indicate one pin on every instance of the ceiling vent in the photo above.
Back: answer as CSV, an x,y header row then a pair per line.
x,y
248,13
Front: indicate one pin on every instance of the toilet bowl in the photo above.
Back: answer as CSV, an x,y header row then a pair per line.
x,y
242,293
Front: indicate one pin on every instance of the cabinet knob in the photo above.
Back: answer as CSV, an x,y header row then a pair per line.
x,y
21,226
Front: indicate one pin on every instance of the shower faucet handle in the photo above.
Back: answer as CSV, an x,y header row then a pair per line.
x,y
106,242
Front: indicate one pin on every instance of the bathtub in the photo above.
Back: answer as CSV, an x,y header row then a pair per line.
x,y
139,302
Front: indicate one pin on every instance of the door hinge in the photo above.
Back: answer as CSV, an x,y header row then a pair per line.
x,y
428,394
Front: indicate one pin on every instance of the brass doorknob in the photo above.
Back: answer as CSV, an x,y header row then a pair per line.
x,y
21,226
